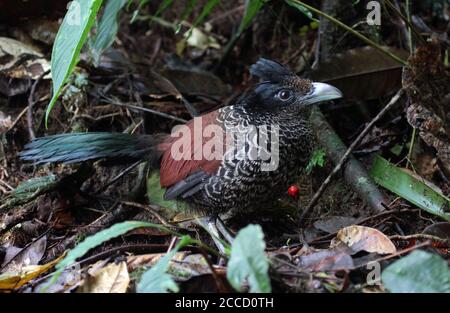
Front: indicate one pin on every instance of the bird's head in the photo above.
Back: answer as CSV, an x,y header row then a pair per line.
x,y
281,88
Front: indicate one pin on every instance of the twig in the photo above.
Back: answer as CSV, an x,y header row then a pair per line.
x,y
119,176
149,209
421,236
408,22
217,280
396,254
352,31
134,107
31,103
15,121
341,162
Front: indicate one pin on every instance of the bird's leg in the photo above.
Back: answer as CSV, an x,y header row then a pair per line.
x,y
209,225
213,230
215,227
223,230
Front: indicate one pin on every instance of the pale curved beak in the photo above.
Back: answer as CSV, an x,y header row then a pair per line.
x,y
322,92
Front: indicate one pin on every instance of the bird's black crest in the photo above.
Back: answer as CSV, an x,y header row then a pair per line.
x,y
271,71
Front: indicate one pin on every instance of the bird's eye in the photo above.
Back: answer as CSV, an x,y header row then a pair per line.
x,y
284,95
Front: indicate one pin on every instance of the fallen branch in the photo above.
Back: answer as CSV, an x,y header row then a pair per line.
x,y
443,242
354,172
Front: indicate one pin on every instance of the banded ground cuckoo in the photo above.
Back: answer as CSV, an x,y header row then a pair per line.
x,y
208,183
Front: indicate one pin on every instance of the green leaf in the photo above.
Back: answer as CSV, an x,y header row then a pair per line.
x,y
156,280
206,10
418,272
136,12
302,9
106,30
248,260
68,43
410,188
318,159
186,12
204,13
34,184
251,9
163,6
101,237
155,194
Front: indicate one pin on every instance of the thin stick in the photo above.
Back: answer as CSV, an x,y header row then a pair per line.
x,y
407,20
119,176
352,31
31,103
344,158
151,111
15,121
151,210
423,237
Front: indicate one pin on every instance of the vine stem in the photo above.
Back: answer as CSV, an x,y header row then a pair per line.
x,y
352,31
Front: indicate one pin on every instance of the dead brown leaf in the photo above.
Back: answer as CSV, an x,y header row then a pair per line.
x,y
113,278
30,255
15,280
362,238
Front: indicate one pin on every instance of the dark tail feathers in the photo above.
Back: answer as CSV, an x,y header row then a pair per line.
x,y
78,147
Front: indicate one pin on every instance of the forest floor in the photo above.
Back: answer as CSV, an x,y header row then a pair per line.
x,y
57,206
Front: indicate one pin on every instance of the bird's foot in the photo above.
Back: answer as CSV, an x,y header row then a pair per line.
x,y
215,227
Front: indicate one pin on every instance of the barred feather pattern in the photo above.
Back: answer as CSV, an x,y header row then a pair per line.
x,y
241,185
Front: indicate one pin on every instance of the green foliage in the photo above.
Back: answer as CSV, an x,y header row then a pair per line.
x,y
163,6
248,260
136,12
101,237
318,159
156,280
28,191
186,12
251,9
302,9
409,187
34,184
68,43
155,194
106,30
418,272
205,12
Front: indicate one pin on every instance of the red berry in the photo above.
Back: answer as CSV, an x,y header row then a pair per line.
x,y
293,191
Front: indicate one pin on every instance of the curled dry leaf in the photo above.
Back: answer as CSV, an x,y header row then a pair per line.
x,y
30,255
18,64
198,39
21,61
113,278
184,265
362,238
16,279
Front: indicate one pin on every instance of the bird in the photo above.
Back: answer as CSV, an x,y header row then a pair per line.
x,y
216,173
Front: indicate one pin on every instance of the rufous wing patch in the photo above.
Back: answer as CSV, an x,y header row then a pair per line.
x,y
185,154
